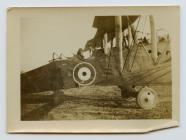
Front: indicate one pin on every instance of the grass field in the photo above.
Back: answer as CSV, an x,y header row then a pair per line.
x,y
98,102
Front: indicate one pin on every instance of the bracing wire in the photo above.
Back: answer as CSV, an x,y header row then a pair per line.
x,y
130,50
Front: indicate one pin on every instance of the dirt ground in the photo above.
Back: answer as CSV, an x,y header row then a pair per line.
x,y
99,102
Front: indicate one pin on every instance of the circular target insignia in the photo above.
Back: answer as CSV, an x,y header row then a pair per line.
x,y
84,74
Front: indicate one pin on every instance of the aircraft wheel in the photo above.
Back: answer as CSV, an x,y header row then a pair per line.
x,y
147,98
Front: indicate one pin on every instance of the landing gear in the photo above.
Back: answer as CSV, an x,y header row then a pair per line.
x,y
147,98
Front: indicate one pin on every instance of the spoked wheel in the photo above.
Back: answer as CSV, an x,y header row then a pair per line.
x,y
147,98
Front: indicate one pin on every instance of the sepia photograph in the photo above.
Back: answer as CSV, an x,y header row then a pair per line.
x,y
77,65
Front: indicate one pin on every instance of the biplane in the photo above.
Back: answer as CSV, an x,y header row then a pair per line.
x,y
114,56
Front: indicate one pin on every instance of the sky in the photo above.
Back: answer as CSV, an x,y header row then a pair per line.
x,y
40,37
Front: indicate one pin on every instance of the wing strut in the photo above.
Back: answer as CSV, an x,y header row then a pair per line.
x,y
153,39
119,40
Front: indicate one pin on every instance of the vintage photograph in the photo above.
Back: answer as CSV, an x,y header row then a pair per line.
x,y
93,69
81,67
